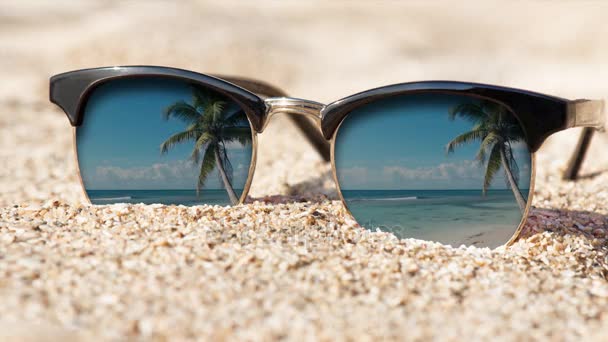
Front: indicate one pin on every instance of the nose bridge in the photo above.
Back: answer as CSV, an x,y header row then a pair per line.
x,y
293,106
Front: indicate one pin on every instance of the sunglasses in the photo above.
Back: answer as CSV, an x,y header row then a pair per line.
x,y
445,161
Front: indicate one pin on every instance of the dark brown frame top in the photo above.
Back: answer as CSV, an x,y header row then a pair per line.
x,y
540,115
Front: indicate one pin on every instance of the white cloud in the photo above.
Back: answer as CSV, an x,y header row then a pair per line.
x,y
155,172
466,169
356,172
465,174
175,175
235,145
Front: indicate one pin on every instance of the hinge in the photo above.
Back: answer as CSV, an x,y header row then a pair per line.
x,y
587,113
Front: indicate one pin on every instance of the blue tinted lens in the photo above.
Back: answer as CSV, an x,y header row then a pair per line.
x,y
432,166
159,140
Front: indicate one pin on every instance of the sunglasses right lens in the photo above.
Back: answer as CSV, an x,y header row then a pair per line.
x,y
443,167
161,140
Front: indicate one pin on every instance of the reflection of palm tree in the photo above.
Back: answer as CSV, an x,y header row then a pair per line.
x,y
497,129
211,125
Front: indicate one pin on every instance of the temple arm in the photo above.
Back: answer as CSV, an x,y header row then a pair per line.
x,y
587,113
591,114
311,132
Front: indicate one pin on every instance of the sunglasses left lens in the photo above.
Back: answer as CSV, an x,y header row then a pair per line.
x,y
160,140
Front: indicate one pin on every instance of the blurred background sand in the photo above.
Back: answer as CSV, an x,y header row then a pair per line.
x,y
316,50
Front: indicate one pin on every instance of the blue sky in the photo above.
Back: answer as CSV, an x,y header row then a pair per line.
x,y
119,142
400,144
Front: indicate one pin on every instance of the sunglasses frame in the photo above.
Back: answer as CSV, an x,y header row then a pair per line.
x,y
539,115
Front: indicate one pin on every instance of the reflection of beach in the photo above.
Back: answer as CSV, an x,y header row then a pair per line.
x,y
176,197
447,216
486,235
457,234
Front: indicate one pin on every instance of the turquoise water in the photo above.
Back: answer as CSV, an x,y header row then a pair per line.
x,y
185,197
449,216
452,217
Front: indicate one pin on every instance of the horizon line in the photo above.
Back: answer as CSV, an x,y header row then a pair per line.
x,y
153,189
340,189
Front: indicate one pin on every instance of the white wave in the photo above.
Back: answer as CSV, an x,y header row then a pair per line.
x,y
409,198
124,198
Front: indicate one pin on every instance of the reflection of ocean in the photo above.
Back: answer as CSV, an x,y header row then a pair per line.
x,y
447,216
185,197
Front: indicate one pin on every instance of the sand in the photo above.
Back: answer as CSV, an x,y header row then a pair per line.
x,y
293,270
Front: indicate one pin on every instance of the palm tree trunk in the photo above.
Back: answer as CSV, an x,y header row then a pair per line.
x,y
518,196
220,166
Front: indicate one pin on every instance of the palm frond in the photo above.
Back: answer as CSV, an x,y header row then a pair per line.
x,y
491,107
205,138
182,111
494,120
469,111
200,97
481,125
235,119
486,145
214,111
513,132
240,134
494,164
465,138
177,138
195,156
202,140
